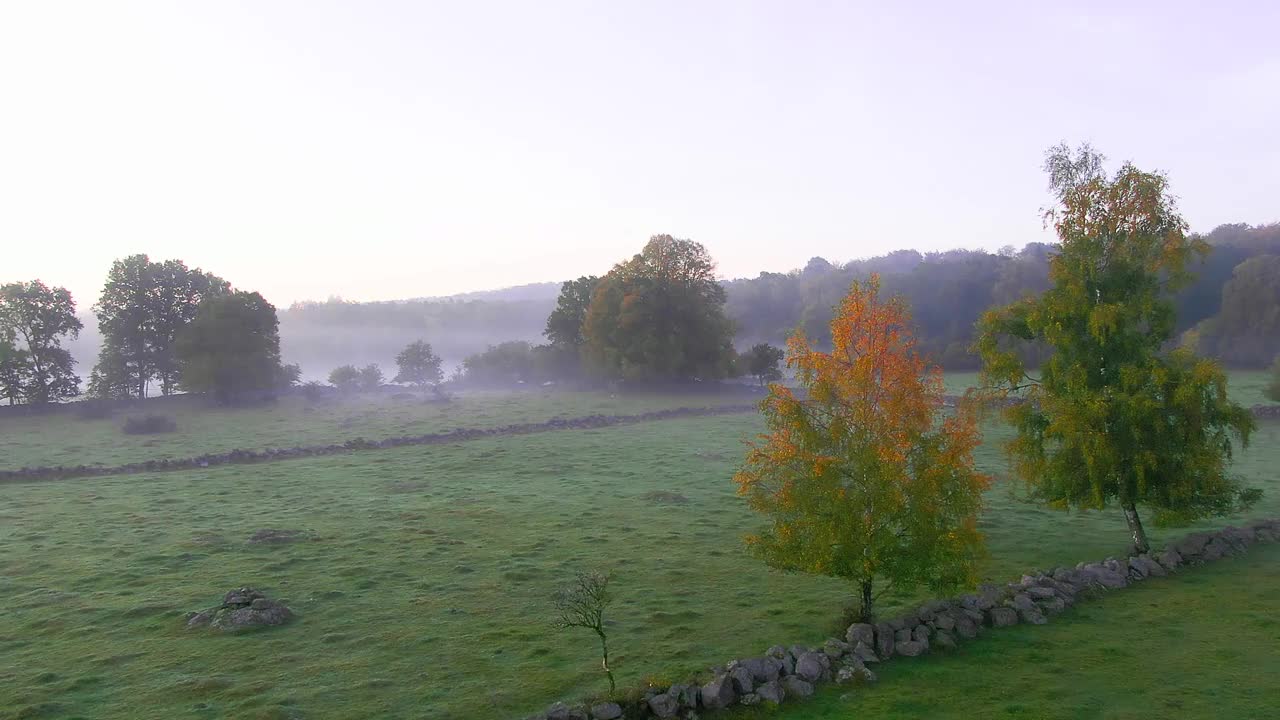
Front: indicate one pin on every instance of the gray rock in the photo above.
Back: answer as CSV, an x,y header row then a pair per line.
x,y
1002,616
743,682
1169,559
1215,550
763,669
810,666
1023,602
1103,576
897,623
884,641
1190,547
771,692
560,711
1053,605
606,711
796,686
846,675
921,635
836,649
1040,593
688,695
861,633
944,622
863,652
966,627
664,705
944,640
241,609
718,694
777,651
902,635
749,699
909,648
1032,617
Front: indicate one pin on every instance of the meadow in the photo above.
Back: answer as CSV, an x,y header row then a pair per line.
x,y
65,439
1203,644
424,576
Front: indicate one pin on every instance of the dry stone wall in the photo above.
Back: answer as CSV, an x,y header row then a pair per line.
x,y
786,674
241,456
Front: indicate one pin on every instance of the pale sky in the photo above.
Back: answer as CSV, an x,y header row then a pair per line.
x,y
381,150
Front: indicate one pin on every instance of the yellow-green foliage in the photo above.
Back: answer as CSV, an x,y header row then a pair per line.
x,y
1111,416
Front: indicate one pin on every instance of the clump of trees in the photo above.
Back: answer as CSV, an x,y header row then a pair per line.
x,y
858,475
581,604
502,364
143,308
761,362
34,367
660,316
418,364
1111,416
345,377
350,379
231,350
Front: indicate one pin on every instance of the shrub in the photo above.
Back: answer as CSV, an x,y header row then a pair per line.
x,y
313,391
149,425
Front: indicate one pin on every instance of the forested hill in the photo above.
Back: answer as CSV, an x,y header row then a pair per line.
x,y
1236,319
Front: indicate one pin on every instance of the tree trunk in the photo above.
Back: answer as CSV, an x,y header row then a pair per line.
x,y
604,653
865,614
1140,544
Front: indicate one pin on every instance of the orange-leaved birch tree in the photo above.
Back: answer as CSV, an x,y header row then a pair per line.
x,y
864,475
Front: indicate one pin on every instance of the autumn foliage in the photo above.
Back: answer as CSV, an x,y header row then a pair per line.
x,y
861,475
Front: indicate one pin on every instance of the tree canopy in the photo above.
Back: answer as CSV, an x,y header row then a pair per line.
x,y
660,316
1112,416
858,476
761,362
34,319
231,348
143,307
418,364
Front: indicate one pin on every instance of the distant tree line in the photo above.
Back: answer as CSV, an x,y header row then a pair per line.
x,y
659,315
1230,309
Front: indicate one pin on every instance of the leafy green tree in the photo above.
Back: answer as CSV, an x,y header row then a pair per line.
x,y
1111,416
660,316
1246,330
564,324
504,363
36,317
761,362
860,476
418,364
143,307
370,377
231,349
346,378
289,377
13,364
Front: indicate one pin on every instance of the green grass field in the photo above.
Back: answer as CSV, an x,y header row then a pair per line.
x,y
424,586
1202,644
63,439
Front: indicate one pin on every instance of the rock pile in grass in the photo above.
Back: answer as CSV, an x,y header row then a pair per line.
x,y
792,673
241,609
